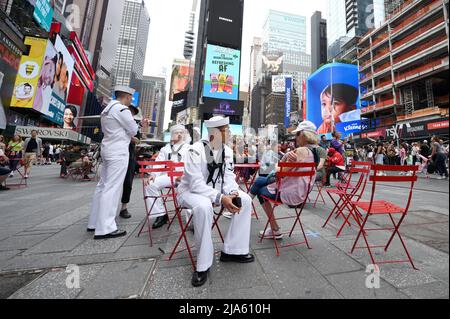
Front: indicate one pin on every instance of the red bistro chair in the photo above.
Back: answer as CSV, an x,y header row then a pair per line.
x,y
149,168
20,170
238,169
185,226
347,193
381,207
309,170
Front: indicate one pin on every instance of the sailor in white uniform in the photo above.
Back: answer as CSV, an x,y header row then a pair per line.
x,y
208,181
118,127
174,151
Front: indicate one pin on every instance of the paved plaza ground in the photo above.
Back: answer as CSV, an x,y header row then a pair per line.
x,y
43,230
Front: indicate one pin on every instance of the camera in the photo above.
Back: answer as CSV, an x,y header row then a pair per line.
x,y
237,201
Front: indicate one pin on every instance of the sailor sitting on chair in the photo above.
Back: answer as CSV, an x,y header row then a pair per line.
x,y
158,181
209,180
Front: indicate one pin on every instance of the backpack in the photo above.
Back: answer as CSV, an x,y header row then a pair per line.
x,y
316,155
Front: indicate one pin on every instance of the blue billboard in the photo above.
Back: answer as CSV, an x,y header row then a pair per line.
x,y
333,102
222,71
288,102
43,13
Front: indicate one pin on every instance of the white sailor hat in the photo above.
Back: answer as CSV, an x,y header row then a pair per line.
x,y
217,121
124,89
178,127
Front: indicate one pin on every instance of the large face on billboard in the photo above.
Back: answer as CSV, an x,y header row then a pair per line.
x,y
222,71
54,110
181,77
333,99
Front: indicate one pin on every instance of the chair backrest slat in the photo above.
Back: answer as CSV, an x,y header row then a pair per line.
x,y
296,174
399,179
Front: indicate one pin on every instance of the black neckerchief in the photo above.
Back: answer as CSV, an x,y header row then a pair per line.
x,y
175,152
213,166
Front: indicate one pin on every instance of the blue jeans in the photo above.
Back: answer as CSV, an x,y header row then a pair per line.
x,y
259,188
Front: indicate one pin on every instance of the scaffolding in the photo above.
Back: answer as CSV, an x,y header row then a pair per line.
x,y
408,100
430,94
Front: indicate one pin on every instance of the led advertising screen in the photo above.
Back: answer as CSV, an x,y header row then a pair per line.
x,y
333,102
222,107
29,75
182,73
236,130
225,22
222,71
43,13
54,110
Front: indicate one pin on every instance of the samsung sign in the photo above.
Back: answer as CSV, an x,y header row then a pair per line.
x,y
225,19
225,23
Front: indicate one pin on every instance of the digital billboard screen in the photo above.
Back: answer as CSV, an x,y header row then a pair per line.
x,y
222,107
222,71
225,22
43,13
333,99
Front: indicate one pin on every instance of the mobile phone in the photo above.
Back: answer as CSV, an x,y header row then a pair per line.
x,y
237,201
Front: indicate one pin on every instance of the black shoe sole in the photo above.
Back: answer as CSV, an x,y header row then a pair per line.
x,y
160,225
200,284
126,217
109,236
239,261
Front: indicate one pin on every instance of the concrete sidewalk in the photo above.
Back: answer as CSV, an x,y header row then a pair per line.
x,y
43,230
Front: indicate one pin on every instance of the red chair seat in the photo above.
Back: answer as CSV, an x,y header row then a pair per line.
x,y
380,207
336,191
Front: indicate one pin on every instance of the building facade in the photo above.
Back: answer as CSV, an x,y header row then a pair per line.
x,y
152,104
347,21
404,71
318,41
130,54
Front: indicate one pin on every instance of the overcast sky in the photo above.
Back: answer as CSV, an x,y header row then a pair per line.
x,y
170,18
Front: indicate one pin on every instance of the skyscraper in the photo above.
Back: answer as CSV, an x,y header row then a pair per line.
x,y
318,41
285,33
130,55
152,103
347,21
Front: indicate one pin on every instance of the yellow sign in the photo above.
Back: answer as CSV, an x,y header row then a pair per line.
x,y
29,71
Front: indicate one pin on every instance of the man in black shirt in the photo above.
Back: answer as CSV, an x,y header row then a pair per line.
x,y
33,151
425,150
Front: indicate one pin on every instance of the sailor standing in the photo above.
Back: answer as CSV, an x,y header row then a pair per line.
x,y
209,180
118,127
180,142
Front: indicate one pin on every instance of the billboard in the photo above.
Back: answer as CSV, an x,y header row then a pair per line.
x,y
43,13
222,107
46,79
288,102
225,22
179,104
27,79
54,110
279,83
222,71
333,102
272,63
182,71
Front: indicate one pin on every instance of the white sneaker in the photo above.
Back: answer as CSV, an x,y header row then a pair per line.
x,y
11,175
227,215
269,234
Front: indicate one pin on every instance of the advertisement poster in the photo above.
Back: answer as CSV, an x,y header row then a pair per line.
x,y
63,77
279,83
333,99
288,102
46,79
222,71
43,13
29,70
181,77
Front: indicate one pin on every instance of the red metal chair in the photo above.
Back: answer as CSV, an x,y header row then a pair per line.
x,y
240,179
149,168
308,170
319,185
382,207
20,170
348,192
